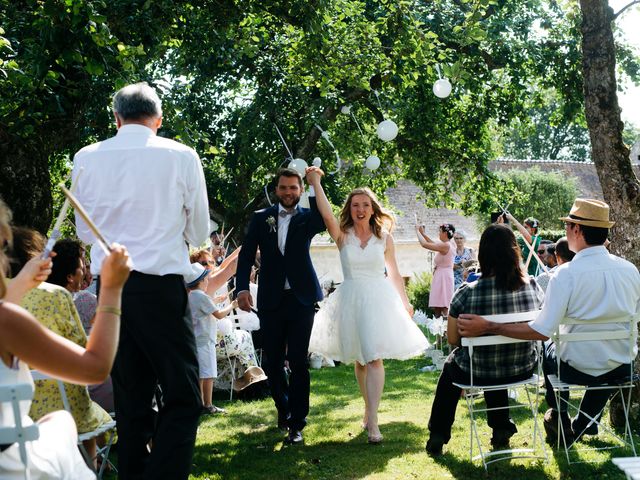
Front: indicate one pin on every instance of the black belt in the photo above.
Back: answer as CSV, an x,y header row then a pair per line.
x,y
3,447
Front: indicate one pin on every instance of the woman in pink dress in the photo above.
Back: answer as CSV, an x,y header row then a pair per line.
x,y
442,283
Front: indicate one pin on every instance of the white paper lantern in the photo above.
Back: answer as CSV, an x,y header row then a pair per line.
x,y
442,88
299,165
387,130
317,162
372,162
304,200
346,109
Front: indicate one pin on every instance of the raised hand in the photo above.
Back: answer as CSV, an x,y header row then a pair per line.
x,y
313,175
34,272
115,268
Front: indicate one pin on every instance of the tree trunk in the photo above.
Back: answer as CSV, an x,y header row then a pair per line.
x,y
611,157
25,185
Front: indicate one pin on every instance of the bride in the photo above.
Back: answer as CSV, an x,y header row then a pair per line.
x,y
368,317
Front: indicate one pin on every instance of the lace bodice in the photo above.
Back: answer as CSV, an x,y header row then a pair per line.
x,y
358,262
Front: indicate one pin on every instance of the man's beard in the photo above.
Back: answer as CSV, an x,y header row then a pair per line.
x,y
289,202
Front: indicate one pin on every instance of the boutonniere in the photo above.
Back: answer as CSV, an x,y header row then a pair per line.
x,y
271,221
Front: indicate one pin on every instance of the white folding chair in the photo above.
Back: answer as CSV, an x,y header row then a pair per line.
x,y
472,391
108,430
629,465
627,333
18,433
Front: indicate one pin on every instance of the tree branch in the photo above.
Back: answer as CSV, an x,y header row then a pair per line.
x,y
329,114
628,5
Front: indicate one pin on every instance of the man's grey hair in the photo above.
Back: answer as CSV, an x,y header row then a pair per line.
x,y
461,233
137,101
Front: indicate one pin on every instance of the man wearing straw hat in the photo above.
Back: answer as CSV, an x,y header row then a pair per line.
x,y
595,284
149,193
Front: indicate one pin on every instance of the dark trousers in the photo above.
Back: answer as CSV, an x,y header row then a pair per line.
x,y
593,401
156,346
443,410
285,334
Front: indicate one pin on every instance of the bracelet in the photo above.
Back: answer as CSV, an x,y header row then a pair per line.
x,y
109,309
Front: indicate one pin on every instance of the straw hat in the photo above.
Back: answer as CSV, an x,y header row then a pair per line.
x,y
251,375
590,213
196,275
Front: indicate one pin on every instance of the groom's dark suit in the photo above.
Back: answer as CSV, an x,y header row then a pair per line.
x,y
286,316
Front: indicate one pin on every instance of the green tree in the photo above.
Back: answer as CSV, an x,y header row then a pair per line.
x,y
545,196
59,63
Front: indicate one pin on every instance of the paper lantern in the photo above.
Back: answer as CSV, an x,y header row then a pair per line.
x,y
442,88
387,130
317,161
372,162
299,165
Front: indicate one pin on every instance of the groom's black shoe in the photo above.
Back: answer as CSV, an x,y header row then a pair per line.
x,y
294,437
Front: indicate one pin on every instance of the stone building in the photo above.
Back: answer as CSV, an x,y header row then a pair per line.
x,y
404,199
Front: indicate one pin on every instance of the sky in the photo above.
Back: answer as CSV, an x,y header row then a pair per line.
x,y
630,100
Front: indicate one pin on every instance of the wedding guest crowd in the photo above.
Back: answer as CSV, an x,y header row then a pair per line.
x,y
162,316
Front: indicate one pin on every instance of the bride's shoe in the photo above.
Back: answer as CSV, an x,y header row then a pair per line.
x,y
374,438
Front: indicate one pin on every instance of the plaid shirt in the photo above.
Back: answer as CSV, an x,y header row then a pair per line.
x,y
483,298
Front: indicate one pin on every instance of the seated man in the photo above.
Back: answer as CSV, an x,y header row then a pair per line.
x,y
595,284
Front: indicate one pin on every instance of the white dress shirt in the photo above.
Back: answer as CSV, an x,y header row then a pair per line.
x,y
147,193
595,284
283,228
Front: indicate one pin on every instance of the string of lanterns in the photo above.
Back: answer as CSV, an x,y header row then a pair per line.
x,y
387,130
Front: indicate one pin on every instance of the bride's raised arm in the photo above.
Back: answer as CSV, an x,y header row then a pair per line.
x,y
314,174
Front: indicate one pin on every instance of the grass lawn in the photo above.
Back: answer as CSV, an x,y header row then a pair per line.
x,y
245,443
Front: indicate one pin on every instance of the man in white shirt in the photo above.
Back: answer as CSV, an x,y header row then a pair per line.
x,y
595,284
149,193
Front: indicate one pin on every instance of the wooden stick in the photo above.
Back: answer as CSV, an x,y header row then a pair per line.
x,y
104,244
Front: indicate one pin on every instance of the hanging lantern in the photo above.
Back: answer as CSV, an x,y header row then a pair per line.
x,y
442,88
298,165
372,162
387,130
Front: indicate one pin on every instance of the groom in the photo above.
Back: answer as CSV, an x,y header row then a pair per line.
x,y
287,293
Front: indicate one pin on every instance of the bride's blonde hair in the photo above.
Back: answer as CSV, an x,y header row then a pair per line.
x,y
381,220
5,240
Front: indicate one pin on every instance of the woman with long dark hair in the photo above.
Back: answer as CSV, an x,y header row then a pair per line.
x,y
503,288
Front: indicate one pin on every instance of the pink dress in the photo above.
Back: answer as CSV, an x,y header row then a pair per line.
x,y
442,283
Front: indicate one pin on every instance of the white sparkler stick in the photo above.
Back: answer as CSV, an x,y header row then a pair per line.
x,y
55,233
283,142
532,251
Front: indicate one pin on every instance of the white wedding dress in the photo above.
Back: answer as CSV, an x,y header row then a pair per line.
x,y
364,319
